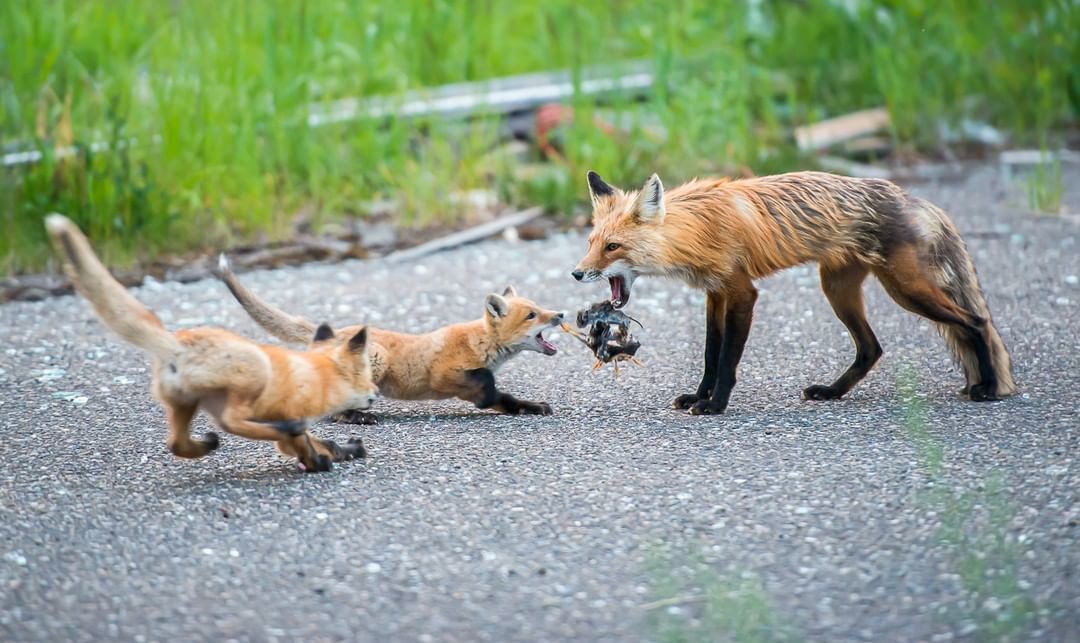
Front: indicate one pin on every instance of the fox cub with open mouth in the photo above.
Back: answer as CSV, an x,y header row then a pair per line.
x,y
257,392
458,360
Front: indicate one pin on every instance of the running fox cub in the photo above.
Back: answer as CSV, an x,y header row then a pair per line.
x,y
459,360
721,235
258,392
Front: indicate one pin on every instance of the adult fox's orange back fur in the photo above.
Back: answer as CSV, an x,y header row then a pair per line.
x,y
721,235
258,392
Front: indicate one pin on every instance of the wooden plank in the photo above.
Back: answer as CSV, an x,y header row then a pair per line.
x,y
476,233
458,100
831,131
1038,157
496,96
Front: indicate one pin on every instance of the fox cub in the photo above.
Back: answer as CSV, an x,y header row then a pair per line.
x,y
258,392
459,360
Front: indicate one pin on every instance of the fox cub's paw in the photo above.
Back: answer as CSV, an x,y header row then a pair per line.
x,y
319,463
354,448
684,402
821,392
354,416
707,407
535,408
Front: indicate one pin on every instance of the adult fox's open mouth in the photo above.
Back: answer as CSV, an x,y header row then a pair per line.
x,y
620,291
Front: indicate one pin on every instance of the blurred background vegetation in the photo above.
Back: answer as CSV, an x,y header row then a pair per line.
x,y
205,103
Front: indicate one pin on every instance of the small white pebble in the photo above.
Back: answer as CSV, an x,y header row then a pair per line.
x,y
373,568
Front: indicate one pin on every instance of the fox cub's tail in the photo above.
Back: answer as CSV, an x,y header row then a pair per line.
x,y
118,310
273,320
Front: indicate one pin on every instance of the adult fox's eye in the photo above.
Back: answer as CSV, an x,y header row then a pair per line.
x,y
612,247
531,315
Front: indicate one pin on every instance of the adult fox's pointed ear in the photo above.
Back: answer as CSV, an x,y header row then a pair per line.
x,y
358,342
496,307
598,188
649,207
509,292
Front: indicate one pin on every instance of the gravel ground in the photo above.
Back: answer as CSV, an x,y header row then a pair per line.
x,y
851,522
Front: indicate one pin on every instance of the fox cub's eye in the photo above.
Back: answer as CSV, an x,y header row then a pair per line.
x,y
612,247
531,315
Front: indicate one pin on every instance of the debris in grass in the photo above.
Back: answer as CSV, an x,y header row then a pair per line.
x,y
831,131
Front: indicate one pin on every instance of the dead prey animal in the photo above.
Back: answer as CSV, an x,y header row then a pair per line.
x,y
607,334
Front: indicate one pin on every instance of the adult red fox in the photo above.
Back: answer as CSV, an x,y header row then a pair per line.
x,y
720,235
258,392
458,360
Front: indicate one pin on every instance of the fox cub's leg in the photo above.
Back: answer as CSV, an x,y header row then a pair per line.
x,y
715,307
738,316
326,451
481,390
233,414
180,441
843,288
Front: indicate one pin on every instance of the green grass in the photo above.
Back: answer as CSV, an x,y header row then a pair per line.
x,y
704,605
217,93
1044,186
976,532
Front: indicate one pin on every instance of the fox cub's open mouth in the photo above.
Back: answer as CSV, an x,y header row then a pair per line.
x,y
546,347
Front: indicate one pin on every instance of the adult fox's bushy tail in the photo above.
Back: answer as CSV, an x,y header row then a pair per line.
x,y
950,261
118,310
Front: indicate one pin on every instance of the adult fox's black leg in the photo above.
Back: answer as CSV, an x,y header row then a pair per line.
x,y
715,309
737,321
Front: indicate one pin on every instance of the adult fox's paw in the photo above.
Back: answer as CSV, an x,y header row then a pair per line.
x,y
821,392
684,402
707,407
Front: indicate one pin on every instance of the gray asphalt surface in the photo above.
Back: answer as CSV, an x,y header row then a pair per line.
x,y
463,525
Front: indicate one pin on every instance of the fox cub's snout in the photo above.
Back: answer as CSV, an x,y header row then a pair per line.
x,y
519,323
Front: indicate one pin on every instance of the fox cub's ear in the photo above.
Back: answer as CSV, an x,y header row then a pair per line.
x,y
509,292
649,207
323,333
496,306
598,188
358,342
